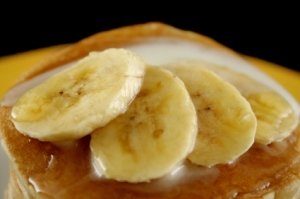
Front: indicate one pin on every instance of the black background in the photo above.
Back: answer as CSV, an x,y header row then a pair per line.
x,y
273,36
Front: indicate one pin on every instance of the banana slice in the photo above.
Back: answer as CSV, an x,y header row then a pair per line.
x,y
155,134
226,123
276,118
73,103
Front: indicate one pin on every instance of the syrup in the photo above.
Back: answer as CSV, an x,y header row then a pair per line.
x,y
69,171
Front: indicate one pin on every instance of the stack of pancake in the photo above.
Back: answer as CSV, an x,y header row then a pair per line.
x,y
269,168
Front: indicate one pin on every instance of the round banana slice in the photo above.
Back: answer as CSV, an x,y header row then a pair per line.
x,y
155,134
276,118
226,123
74,102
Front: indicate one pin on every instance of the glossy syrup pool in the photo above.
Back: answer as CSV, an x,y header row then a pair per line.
x,y
69,172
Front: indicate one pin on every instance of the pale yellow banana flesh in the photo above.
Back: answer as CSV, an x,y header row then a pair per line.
x,y
73,103
226,123
276,118
155,134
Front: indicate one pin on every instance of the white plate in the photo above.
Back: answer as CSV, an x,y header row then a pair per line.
x,y
4,171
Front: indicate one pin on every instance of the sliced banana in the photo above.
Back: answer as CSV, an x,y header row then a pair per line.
x,y
276,118
74,102
155,134
226,123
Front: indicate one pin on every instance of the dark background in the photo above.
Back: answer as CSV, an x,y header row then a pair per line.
x,y
273,36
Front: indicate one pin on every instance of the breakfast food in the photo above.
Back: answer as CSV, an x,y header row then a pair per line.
x,y
155,131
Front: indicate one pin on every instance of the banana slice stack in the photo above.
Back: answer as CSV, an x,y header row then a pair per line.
x,y
276,118
226,123
146,121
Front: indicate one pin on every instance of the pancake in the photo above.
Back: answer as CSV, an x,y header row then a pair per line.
x,y
45,170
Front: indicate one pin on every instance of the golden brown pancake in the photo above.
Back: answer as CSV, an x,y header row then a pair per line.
x,y
45,170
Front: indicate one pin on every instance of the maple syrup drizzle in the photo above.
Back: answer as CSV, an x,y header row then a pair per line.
x,y
70,170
